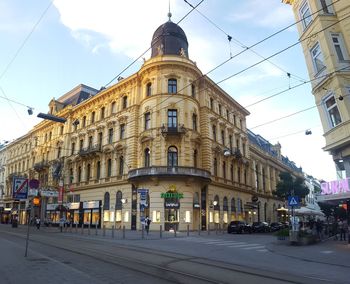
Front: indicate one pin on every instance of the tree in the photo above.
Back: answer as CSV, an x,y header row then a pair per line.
x,y
288,186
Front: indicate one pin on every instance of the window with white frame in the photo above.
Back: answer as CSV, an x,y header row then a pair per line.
x,y
339,47
326,6
332,111
317,58
305,14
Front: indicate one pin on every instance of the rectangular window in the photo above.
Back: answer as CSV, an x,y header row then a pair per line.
x,y
122,131
223,137
81,145
194,122
339,47
73,149
211,104
125,102
305,15
326,6
220,110
61,130
90,142
172,86
83,124
102,113
113,108
214,132
147,120
317,58
332,110
93,117
109,167
172,118
110,136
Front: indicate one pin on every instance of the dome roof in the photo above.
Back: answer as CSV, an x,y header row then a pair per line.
x,y
169,38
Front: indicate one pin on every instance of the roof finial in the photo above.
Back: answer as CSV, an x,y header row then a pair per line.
x,y
169,14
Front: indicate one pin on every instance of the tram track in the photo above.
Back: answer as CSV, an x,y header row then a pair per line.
x,y
174,268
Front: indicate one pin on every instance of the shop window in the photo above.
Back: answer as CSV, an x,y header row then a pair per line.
x,y
172,86
155,216
187,216
211,217
126,216
172,157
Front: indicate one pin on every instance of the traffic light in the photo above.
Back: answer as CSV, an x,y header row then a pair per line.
x,y
36,201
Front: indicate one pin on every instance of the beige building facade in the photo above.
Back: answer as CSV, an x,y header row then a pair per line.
x,y
165,142
325,34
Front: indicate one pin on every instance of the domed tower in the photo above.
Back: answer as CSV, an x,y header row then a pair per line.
x,y
169,39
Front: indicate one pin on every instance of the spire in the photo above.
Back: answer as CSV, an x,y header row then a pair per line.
x,y
169,14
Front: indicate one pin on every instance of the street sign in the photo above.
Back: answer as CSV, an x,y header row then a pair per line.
x,y
33,192
293,201
34,183
142,190
20,188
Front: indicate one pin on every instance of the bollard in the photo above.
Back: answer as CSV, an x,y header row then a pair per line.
x,y
175,232
123,232
143,232
112,232
208,229
96,229
160,231
104,230
199,229
82,229
76,228
71,227
89,229
216,228
188,230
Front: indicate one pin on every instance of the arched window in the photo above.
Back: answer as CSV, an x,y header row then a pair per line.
x,y
118,202
121,165
149,89
147,158
216,203
233,205
172,156
172,86
106,201
225,204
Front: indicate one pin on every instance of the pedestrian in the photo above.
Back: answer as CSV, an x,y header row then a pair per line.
x,y
343,230
62,221
147,223
319,227
37,222
335,229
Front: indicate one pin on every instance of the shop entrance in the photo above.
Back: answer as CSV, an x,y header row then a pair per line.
x,y
171,219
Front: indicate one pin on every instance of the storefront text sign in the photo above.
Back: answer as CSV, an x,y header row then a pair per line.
x,y
335,187
90,204
172,195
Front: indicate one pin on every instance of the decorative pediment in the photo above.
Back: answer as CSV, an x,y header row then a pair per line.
x,y
111,123
145,138
122,119
107,148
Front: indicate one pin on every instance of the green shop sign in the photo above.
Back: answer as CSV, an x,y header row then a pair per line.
x,y
172,195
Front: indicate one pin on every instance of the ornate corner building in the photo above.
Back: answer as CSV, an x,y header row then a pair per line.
x,y
165,142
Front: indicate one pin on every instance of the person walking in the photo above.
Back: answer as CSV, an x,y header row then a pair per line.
x,y
343,230
37,222
147,224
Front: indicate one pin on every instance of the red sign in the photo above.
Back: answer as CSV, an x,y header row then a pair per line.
x,y
60,194
34,183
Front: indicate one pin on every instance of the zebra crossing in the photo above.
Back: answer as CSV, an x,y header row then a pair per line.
x,y
226,243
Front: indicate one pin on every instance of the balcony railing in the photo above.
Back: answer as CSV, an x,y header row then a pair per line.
x,y
90,150
41,166
169,171
173,130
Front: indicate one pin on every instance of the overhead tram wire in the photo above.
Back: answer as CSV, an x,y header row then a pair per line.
x,y
245,68
26,39
133,62
242,45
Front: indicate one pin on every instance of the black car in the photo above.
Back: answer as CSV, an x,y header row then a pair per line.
x,y
261,227
275,226
239,227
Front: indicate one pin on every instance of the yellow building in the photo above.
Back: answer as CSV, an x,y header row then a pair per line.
x,y
165,142
324,31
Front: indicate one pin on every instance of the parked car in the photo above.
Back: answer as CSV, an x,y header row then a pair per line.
x,y
275,226
239,227
260,227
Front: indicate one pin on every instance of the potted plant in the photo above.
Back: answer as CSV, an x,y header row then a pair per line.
x,y
282,234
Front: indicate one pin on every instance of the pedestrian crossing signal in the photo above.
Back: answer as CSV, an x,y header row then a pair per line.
x,y
36,201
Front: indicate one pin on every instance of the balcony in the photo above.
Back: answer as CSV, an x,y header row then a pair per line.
x,y
90,150
41,166
169,172
172,130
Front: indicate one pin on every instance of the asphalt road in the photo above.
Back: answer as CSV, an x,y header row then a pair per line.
x,y
54,257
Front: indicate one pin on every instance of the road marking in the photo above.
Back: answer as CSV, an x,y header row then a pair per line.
x,y
241,246
255,247
327,251
227,243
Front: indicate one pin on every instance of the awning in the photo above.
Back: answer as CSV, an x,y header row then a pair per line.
x,y
308,211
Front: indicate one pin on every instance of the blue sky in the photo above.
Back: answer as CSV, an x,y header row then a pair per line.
x,y
91,41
